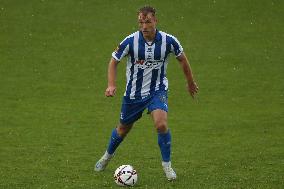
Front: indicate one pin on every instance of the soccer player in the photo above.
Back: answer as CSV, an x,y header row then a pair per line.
x,y
147,51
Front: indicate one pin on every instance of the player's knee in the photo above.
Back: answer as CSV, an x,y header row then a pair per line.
x,y
122,130
161,126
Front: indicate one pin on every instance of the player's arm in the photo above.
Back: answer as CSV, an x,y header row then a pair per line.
x,y
191,84
112,70
121,51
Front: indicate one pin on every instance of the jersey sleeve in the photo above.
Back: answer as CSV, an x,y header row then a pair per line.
x,y
121,50
176,47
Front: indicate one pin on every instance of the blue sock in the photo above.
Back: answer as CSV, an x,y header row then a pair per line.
x,y
164,141
114,141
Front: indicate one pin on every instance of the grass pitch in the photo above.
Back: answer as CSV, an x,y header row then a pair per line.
x,y
55,121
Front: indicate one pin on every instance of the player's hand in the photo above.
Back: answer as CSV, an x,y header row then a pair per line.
x,y
110,91
192,88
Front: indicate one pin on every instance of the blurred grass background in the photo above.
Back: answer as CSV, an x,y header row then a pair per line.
x,y
55,121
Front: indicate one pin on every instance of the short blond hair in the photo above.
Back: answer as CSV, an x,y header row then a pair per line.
x,y
146,10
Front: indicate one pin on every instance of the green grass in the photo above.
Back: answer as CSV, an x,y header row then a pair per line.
x,y
55,121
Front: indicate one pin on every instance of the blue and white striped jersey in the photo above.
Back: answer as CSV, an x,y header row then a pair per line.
x,y
147,62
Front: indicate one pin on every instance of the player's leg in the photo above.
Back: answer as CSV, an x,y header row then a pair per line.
x,y
117,136
131,111
164,135
164,141
159,109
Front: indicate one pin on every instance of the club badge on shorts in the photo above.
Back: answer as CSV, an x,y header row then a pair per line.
x,y
163,98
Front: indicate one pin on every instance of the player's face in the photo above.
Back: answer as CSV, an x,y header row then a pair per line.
x,y
147,24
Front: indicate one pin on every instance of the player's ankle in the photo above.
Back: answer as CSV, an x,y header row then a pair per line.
x,y
107,155
166,164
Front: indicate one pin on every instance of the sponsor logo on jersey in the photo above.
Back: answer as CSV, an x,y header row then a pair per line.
x,y
148,64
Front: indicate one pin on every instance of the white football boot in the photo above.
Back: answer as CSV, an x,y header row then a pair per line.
x,y
170,173
102,163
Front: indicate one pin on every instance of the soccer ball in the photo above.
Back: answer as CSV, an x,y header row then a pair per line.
x,y
125,175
